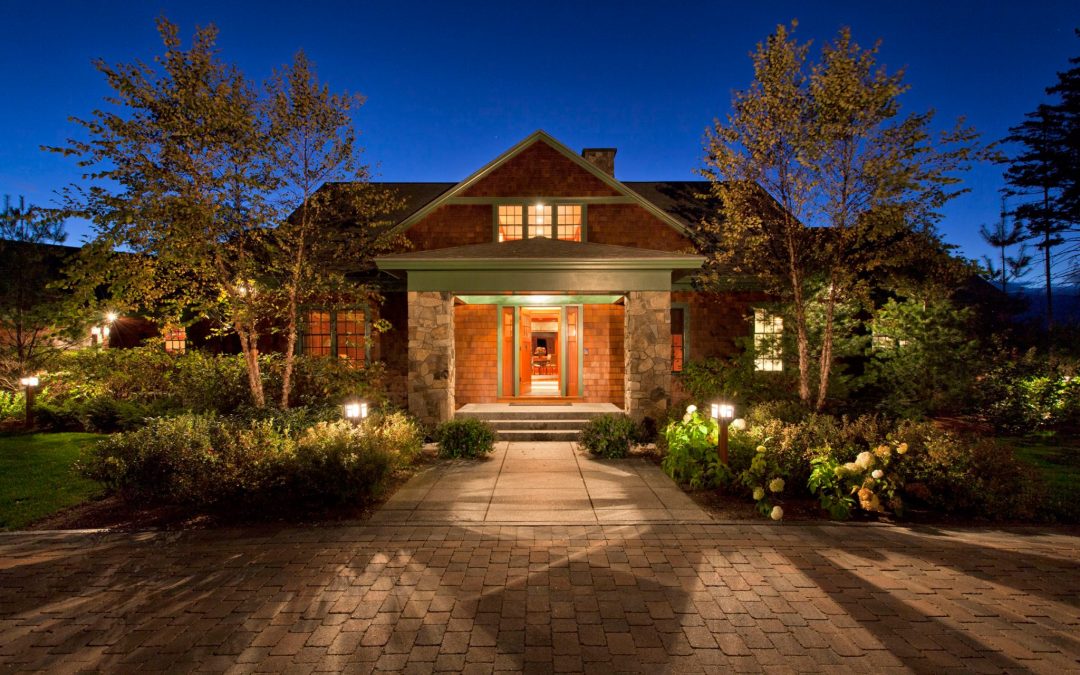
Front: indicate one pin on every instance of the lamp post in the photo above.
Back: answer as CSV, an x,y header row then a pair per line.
x,y
723,413
29,383
355,411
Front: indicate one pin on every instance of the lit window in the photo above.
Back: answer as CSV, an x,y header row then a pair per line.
x,y
540,220
349,334
340,333
175,339
768,331
678,338
317,337
510,223
569,222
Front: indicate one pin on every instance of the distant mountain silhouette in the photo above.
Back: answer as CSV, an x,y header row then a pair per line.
x,y
1066,302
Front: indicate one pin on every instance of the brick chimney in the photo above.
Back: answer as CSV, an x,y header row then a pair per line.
x,y
601,158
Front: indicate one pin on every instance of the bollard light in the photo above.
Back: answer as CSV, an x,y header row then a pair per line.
x,y
356,411
29,382
723,413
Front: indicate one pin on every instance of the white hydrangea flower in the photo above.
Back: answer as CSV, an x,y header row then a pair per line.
x,y
901,449
864,460
777,513
738,424
878,474
690,409
686,417
759,493
776,485
761,448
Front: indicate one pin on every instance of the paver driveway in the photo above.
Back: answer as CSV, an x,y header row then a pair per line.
x,y
541,483
479,598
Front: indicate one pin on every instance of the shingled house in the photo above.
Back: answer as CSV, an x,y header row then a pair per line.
x,y
542,278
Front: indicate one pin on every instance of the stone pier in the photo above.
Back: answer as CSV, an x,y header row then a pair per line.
x,y
648,353
431,356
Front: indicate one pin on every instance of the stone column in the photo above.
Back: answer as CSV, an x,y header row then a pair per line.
x,y
648,353
431,356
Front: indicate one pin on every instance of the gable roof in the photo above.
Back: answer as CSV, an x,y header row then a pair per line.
x,y
539,136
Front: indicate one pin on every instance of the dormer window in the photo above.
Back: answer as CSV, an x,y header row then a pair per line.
x,y
521,221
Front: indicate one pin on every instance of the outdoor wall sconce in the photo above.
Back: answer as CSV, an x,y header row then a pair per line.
x,y
29,383
723,413
356,412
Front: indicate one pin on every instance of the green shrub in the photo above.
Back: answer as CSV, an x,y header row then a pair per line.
x,y
340,463
610,436
253,466
12,406
465,437
691,454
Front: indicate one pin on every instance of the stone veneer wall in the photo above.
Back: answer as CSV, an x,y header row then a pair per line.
x,y
431,356
648,353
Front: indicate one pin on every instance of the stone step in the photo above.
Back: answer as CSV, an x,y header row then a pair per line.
x,y
541,425
532,414
536,435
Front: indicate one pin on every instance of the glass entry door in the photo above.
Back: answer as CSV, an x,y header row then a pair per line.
x,y
540,351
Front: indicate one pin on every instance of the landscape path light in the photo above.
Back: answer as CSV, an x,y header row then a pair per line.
x,y
355,411
723,413
30,383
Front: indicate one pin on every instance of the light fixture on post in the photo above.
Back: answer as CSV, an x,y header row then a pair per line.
x,y
355,411
30,383
723,413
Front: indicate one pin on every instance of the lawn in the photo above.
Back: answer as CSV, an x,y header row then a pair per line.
x,y
36,476
1058,462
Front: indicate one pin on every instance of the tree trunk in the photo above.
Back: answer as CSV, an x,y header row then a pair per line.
x,y
826,349
802,339
290,349
1046,260
249,346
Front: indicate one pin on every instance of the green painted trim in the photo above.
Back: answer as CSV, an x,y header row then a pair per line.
x,y
562,350
517,351
584,222
498,351
584,264
539,135
499,281
539,300
581,350
503,201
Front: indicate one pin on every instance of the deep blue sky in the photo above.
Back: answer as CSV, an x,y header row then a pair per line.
x,y
451,85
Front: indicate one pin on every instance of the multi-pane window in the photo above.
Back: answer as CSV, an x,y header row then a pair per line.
x,y
510,223
540,220
521,221
317,338
175,339
678,338
349,334
768,333
569,223
338,333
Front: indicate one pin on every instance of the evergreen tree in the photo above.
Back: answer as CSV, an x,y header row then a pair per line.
x,y
1002,237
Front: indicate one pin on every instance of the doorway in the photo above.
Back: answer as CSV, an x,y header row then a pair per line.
x,y
540,352
540,362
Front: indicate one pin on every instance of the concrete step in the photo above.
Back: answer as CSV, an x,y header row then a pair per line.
x,y
536,435
541,425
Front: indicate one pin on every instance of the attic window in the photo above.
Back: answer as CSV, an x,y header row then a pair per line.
x,y
540,221
569,223
510,223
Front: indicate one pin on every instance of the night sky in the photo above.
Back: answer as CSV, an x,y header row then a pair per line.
x,y
451,85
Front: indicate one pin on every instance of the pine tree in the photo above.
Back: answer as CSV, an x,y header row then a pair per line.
x,y
1002,237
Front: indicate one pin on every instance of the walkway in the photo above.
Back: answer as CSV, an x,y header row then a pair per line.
x,y
541,483
598,598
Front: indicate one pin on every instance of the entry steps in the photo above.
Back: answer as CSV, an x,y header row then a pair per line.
x,y
536,423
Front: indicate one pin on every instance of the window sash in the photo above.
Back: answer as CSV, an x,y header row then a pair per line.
x,y
339,333
768,349
562,221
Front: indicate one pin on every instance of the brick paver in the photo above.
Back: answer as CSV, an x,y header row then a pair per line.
x,y
595,598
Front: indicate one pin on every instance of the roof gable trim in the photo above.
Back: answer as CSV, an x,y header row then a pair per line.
x,y
536,136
